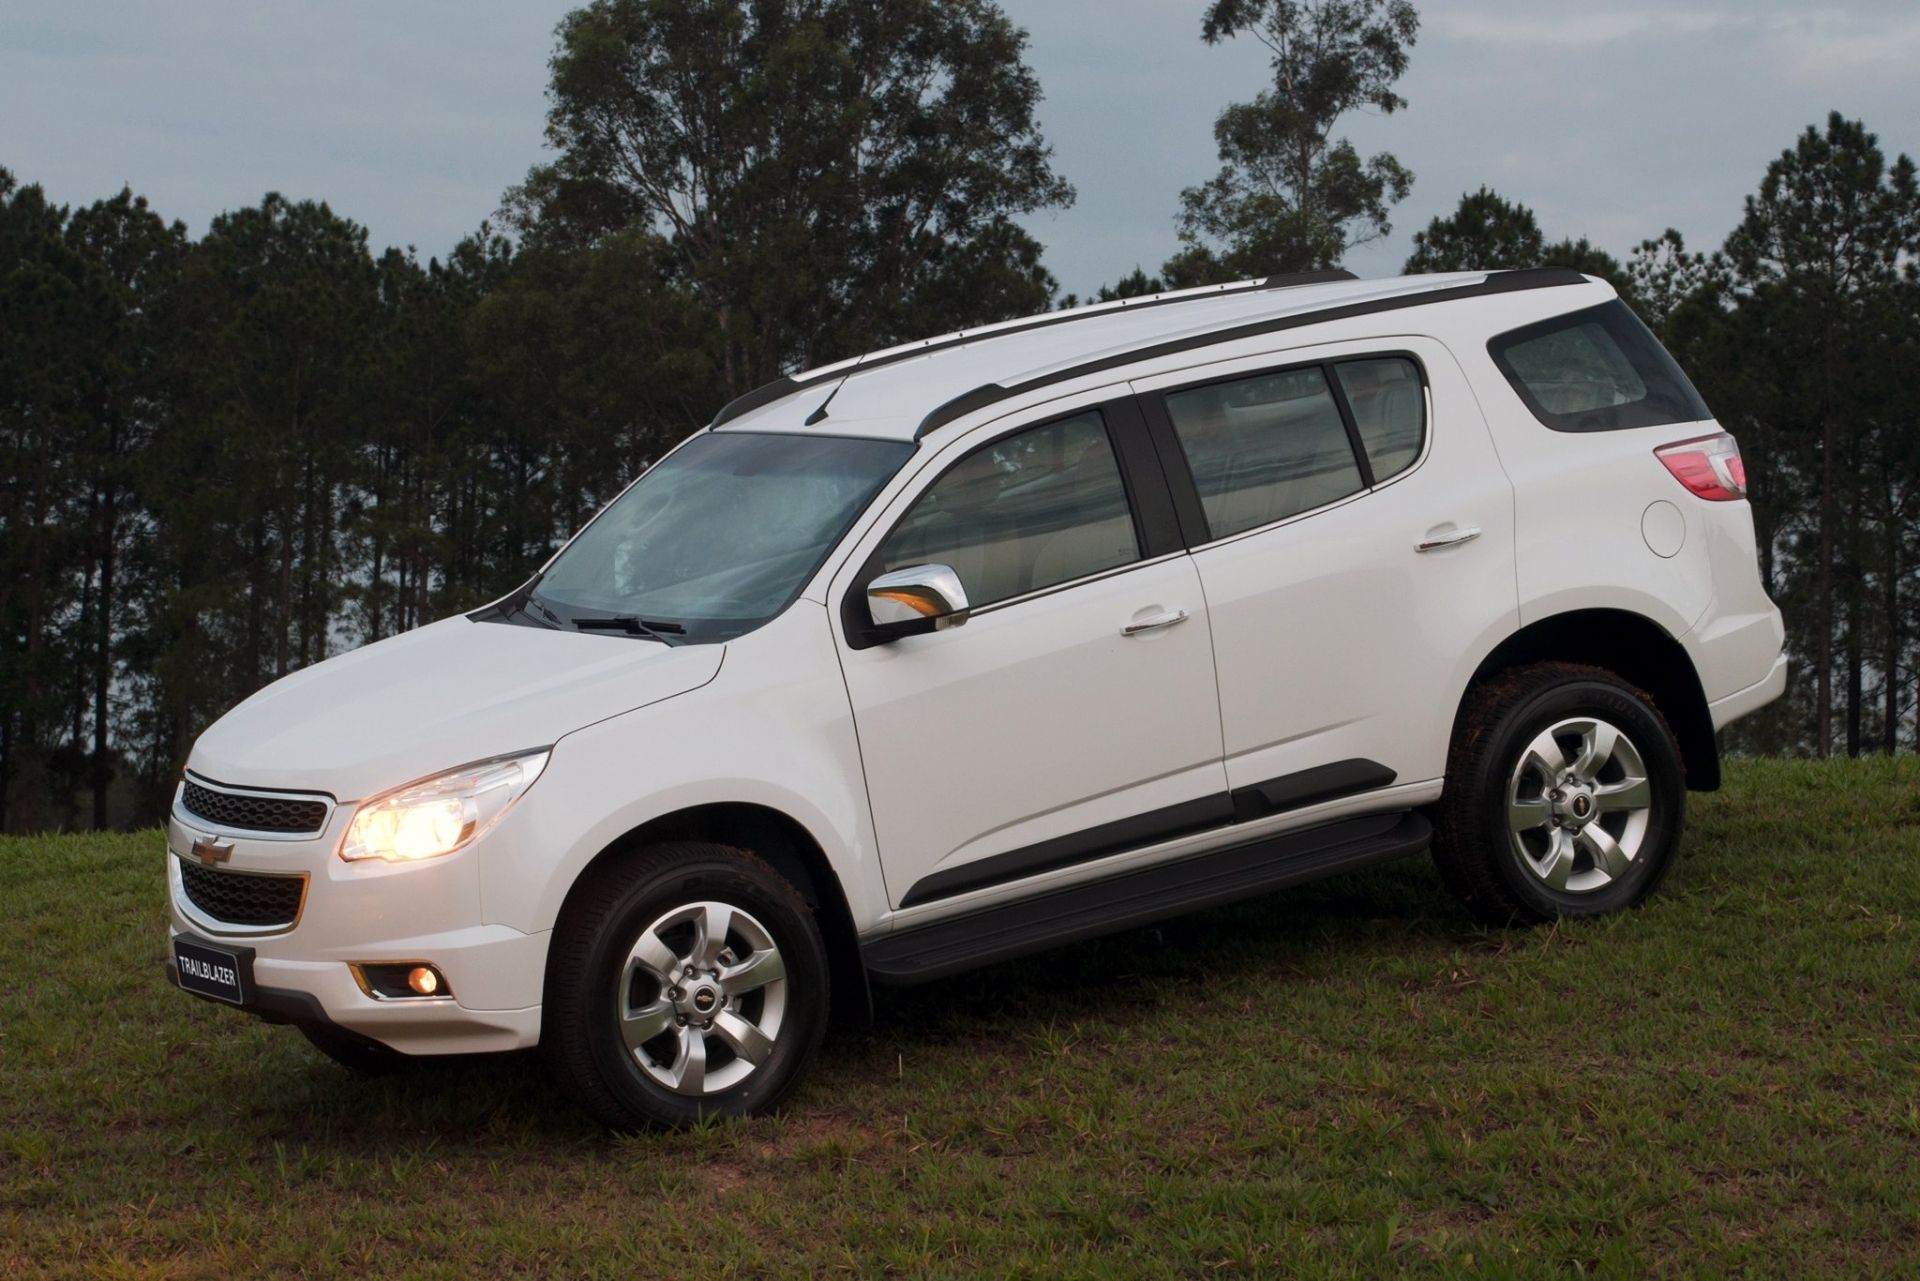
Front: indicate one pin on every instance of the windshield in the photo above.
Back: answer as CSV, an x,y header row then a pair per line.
x,y
719,536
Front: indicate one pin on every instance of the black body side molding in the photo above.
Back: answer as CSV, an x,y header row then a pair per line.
x,y
1308,787
1256,800
923,953
1133,833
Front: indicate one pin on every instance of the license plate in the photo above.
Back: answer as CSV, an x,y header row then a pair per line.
x,y
212,971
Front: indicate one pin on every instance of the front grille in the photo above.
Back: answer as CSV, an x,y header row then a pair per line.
x,y
240,898
251,812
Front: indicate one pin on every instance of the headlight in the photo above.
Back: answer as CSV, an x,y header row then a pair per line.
x,y
439,815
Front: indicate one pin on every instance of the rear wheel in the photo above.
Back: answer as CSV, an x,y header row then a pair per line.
x,y
686,980
1564,796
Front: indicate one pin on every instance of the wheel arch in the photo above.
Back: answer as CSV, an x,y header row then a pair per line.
x,y
790,849
1636,649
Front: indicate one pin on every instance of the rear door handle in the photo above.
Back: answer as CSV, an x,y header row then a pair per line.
x,y
1155,623
1433,541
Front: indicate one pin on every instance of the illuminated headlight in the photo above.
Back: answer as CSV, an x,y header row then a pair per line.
x,y
439,815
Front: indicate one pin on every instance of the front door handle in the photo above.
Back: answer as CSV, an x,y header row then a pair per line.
x,y
1155,623
1434,541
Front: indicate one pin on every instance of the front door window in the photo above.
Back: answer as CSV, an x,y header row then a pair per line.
x,y
1025,512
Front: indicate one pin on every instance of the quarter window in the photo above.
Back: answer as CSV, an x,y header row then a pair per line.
x,y
1264,448
1028,511
1598,369
1389,409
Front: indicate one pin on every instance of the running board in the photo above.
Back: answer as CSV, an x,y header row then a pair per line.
x,y
921,953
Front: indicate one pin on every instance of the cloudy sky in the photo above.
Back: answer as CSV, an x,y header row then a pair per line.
x,y
1612,120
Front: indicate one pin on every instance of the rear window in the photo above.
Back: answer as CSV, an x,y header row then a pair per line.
x,y
1596,370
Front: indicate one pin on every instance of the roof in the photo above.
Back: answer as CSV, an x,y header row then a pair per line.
x,y
908,391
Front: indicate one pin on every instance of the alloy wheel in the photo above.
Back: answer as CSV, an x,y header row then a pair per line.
x,y
1578,805
701,999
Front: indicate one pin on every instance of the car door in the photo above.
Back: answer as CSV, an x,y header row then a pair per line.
x,y
1353,530
1073,716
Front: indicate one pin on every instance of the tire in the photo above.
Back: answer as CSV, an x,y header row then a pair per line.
x,y
640,1043
1517,837
355,1053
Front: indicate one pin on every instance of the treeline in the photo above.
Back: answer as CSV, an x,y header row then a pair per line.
x,y
228,457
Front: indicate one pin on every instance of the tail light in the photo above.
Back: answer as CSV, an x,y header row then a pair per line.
x,y
1710,466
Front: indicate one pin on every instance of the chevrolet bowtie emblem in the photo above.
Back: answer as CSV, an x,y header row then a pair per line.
x,y
211,849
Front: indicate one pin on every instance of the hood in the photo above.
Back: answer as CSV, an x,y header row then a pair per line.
x,y
436,698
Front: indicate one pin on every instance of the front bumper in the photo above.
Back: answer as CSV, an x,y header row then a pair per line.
x,y
319,993
356,913
311,995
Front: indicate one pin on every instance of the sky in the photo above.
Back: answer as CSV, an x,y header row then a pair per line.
x,y
1610,121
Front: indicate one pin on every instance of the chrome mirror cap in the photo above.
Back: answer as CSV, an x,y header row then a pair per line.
x,y
918,594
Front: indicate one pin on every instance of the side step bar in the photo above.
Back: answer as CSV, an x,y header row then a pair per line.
x,y
922,953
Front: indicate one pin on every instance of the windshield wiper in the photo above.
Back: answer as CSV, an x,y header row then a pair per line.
x,y
546,613
632,624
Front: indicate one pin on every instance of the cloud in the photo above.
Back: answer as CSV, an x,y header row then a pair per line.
x,y
1576,30
1807,46
1827,47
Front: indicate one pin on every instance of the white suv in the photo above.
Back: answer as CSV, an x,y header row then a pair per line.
x,y
1259,583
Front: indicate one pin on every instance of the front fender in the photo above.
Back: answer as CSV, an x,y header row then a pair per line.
x,y
772,729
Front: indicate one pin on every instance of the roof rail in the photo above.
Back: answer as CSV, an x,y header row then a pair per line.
x,y
781,388
1497,282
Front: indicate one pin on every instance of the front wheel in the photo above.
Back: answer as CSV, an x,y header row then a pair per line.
x,y
685,980
1564,796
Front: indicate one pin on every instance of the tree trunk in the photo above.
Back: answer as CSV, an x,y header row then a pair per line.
x,y
376,588
1890,658
1764,534
376,585
256,600
103,655
310,569
1855,681
77,697
1823,674
31,797
1855,590
181,719
283,629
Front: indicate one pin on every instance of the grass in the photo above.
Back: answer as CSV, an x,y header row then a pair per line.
x,y
1347,1079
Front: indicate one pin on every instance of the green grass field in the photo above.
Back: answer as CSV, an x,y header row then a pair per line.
x,y
1347,1079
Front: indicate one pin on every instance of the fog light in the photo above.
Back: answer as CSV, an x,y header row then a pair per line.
x,y
400,980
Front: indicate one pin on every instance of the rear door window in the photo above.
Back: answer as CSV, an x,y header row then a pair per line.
x,y
1596,370
1389,407
1264,448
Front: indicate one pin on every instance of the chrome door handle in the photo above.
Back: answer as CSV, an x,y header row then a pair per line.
x,y
1158,621
1465,534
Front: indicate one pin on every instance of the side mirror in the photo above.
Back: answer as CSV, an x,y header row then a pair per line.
x,y
915,600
